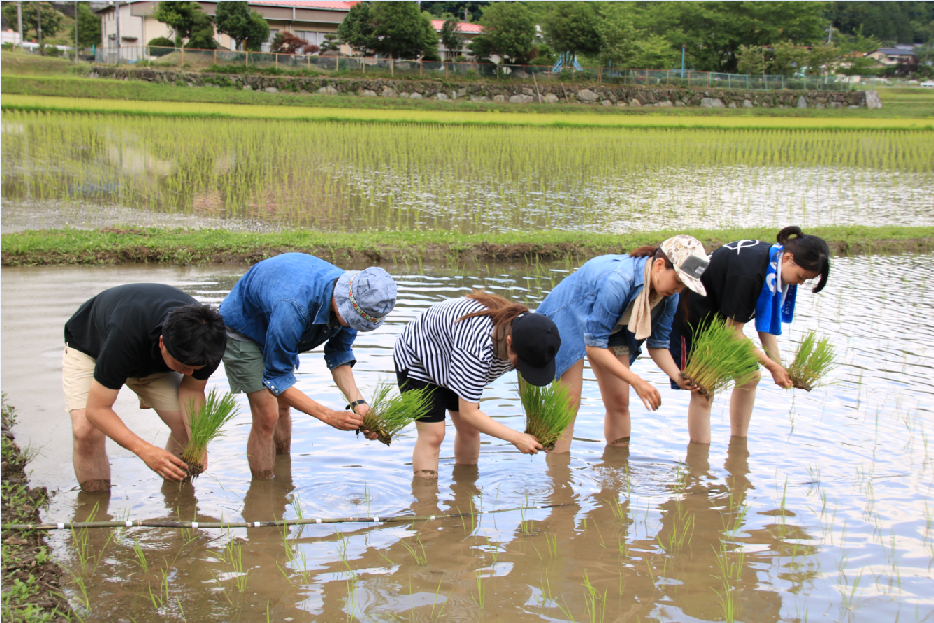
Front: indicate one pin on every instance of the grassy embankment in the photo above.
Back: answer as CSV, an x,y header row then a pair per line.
x,y
31,580
44,78
180,246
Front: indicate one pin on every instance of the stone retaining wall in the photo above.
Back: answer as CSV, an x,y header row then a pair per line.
x,y
596,94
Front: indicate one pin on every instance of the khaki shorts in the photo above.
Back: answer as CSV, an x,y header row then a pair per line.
x,y
243,363
156,391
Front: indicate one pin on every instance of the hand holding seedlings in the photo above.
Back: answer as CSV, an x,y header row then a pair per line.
x,y
390,414
781,377
206,424
163,463
813,359
548,411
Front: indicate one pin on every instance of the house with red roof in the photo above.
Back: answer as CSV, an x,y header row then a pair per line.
x,y
467,32
308,19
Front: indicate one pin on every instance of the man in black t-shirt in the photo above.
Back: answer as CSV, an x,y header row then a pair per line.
x,y
158,341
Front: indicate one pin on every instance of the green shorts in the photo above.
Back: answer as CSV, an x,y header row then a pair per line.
x,y
243,363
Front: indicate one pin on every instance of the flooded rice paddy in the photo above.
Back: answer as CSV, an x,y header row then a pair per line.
x,y
62,169
824,514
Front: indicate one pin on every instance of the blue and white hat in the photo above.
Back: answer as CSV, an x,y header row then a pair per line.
x,y
365,297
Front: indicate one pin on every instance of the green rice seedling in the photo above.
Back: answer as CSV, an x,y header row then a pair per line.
x,y
548,411
719,357
389,414
813,359
206,426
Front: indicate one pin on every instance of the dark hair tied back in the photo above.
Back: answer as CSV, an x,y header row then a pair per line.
x,y
653,251
809,252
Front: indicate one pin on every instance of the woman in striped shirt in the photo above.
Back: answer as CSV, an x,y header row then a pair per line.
x,y
456,348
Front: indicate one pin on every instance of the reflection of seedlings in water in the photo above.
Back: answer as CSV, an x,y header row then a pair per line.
x,y
928,529
730,572
480,599
682,529
419,555
591,601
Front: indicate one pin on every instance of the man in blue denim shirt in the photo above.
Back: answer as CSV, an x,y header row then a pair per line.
x,y
286,305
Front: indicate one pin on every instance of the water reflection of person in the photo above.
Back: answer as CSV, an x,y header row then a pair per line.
x,y
745,280
710,516
606,310
454,349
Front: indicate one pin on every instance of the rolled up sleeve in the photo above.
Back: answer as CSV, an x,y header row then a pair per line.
x,y
610,303
338,350
661,332
280,355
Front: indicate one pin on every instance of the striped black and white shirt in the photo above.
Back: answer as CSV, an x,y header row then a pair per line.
x,y
435,348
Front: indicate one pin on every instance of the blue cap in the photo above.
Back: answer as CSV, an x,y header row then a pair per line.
x,y
365,297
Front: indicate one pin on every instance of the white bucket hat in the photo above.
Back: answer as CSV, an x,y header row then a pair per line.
x,y
689,258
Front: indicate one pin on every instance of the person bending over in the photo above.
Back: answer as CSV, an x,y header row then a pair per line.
x,y
749,279
159,342
456,348
286,305
606,310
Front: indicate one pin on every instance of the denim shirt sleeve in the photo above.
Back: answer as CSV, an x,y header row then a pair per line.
x,y
661,331
611,301
280,356
337,350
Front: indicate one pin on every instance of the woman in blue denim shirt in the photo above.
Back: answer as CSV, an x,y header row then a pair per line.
x,y
604,311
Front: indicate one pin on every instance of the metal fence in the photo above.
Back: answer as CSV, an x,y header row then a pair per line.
x,y
202,59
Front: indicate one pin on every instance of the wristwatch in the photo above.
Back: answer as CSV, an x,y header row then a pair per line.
x,y
353,405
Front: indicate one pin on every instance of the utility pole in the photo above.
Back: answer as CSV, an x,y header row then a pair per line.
x,y
39,26
19,22
76,31
117,9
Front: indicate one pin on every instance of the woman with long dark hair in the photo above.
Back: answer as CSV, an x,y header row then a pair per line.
x,y
749,279
606,310
456,348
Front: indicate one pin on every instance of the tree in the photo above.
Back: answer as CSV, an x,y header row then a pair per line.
x,y
654,52
618,36
787,58
450,39
357,29
400,31
331,43
189,22
714,31
51,18
89,27
237,21
750,60
287,43
572,27
508,31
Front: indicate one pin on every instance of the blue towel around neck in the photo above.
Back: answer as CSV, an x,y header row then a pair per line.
x,y
774,306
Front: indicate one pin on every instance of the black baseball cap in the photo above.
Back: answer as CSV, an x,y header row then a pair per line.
x,y
536,341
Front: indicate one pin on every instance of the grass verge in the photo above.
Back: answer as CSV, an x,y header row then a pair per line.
x,y
32,589
484,116
199,246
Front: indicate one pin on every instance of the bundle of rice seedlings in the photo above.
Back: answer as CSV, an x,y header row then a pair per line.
x,y
719,357
206,426
390,414
547,411
813,359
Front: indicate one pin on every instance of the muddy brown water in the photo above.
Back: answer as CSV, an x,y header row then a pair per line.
x,y
825,513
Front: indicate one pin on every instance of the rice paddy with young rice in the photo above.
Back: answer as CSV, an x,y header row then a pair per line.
x,y
824,509
336,176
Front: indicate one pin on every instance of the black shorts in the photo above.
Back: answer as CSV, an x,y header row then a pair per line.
x,y
442,398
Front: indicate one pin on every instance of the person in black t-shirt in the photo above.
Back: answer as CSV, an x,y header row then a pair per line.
x,y
158,341
745,280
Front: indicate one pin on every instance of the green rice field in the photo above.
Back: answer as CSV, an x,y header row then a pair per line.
x,y
353,177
